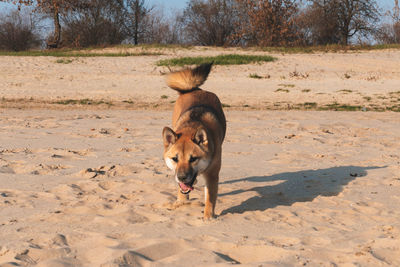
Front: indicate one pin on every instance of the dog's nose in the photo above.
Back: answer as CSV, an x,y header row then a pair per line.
x,y
181,176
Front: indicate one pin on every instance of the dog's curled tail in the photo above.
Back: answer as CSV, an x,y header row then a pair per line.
x,y
188,80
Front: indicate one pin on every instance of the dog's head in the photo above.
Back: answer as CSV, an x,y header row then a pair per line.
x,y
188,154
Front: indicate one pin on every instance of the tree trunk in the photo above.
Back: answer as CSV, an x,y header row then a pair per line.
x,y
57,28
137,15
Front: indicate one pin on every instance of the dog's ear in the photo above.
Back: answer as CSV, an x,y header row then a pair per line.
x,y
200,137
169,136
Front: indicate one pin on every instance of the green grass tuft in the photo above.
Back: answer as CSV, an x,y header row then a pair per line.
x,y
64,61
310,105
341,107
84,102
282,90
287,85
231,59
255,76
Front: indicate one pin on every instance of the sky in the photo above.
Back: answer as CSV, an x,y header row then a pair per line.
x,y
171,5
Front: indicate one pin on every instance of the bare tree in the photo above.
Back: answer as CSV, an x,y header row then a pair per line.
x,y
344,19
389,33
98,23
136,13
210,22
54,8
269,23
319,24
162,29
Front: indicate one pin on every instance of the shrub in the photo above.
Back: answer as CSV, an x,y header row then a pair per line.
x,y
17,32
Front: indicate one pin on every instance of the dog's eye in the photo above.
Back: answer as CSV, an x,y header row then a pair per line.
x,y
175,159
193,159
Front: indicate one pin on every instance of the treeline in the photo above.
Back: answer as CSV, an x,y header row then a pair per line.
x,y
201,22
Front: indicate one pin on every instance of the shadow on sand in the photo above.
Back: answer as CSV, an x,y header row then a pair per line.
x,y
291,187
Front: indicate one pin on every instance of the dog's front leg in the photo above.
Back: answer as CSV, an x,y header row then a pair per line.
x,y
182,197
211,193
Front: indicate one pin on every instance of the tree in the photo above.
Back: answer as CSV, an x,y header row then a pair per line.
x,y
161,29
389,33
98,22
135,14
268,23
356,17
344,19
210,22
319,23
53,8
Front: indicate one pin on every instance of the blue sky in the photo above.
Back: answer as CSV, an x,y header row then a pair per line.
x,y
167,4
171,5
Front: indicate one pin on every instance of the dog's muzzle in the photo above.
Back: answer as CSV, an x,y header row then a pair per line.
x,y
186,188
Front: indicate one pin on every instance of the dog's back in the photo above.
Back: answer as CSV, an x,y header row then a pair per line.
x,y
194,103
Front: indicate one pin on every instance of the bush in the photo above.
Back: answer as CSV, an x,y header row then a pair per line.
x,y
17,32
388,33
98,24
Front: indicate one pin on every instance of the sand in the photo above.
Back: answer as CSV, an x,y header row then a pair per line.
x,y
366,79
87,186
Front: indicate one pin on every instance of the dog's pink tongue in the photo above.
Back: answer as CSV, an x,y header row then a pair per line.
x,y
185,187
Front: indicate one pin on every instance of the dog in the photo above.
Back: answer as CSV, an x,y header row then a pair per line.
x,y
194,144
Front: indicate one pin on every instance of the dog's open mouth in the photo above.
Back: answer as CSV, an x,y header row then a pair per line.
x,y
187,187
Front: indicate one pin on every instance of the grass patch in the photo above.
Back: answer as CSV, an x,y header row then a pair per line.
x,y
326,48
72,53
305,90
310,105
226,105
231,59
156,46
164,97
64,61
287,85
345,91
368,98
282,90
255,76
84,102
341,107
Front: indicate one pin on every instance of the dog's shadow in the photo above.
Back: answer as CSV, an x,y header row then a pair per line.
x,y
291,187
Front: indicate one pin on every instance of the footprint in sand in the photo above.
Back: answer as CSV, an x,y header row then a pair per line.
x,y
21,167
152,253
50,253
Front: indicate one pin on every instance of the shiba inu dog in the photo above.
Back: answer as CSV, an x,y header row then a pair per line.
x,y
194,144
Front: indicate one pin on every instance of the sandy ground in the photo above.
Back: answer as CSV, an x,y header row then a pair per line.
x,y
87,186
366,79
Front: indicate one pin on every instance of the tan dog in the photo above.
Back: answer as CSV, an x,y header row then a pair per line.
x,y
193,147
